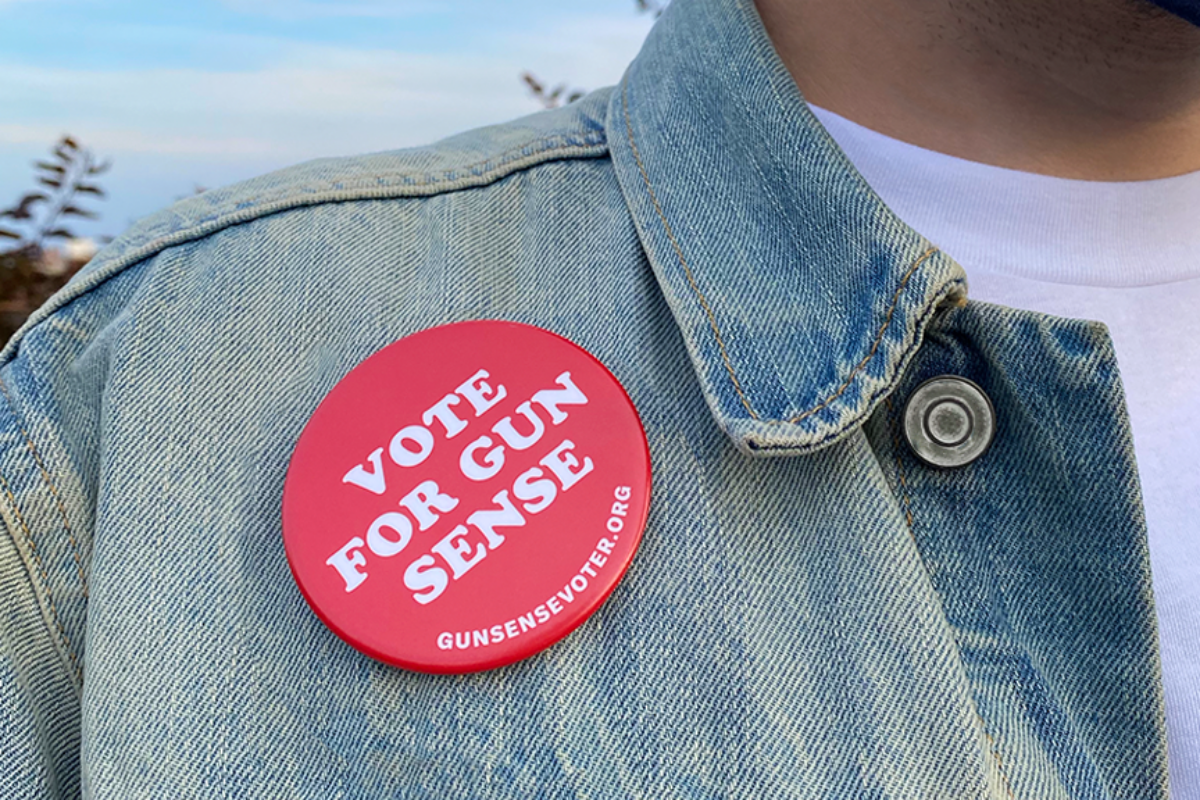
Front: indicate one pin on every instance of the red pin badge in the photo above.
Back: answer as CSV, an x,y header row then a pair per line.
x,y
466,497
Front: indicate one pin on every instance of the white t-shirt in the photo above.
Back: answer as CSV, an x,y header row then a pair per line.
x,y
1126,254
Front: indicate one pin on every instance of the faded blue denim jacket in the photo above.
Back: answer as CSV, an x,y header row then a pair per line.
x,y
813,613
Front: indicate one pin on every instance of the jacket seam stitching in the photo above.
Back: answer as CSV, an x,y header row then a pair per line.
x,y
908,515
555,143
707,307
687,270
996,753
894,425
887,320
45,581
930,310
591,144
62,511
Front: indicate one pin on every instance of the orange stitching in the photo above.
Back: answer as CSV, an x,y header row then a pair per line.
x,y
887,320
45,579
499,157
909,518
555,143
155,239
996,753
900,468
712,320
50,483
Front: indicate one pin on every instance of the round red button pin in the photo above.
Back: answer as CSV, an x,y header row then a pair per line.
x,y
466,497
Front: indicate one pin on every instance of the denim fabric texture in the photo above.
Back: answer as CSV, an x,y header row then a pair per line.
x,y
813,613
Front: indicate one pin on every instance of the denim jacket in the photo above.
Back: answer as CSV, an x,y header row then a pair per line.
x,y
813,612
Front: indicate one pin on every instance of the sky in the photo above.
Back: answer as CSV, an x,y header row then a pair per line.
x,y
181,94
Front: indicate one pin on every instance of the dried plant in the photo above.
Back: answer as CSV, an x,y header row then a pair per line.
x,y
550,98
67,176
26,281
652,6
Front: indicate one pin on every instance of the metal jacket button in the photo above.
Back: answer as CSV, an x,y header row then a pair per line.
x,y
949,421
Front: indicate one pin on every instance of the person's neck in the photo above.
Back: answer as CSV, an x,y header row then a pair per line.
x,y
1085,89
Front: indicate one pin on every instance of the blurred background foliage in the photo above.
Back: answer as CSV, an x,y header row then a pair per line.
x,y
38,251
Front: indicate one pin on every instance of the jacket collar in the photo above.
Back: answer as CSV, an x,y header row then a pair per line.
x,y
801,297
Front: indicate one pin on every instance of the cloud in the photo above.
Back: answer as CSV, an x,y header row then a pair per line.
x,y
293,10
590,50
286,102
108,141
356,103
313,100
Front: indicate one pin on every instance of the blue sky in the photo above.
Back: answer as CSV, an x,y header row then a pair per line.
x,y
183,93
